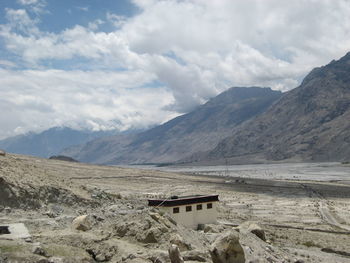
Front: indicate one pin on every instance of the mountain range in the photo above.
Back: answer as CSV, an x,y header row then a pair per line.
x,y
310,123
49,142
197,131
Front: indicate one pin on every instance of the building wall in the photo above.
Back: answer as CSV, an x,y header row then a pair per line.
x,y
193,218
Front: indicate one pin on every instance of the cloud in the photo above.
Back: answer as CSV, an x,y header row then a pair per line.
x,y
116,20
7,64
35,6
20,22
83,8
192,49
38,99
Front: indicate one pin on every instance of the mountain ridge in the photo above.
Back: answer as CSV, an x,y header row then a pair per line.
x,y
49,142
308,123
195,131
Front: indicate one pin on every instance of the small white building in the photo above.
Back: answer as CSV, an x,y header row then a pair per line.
x,y
189,211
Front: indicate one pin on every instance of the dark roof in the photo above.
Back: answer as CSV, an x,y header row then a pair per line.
x,y
183,200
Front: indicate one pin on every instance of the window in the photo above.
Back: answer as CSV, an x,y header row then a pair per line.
x,y
176,210
209,206
199,207
188,208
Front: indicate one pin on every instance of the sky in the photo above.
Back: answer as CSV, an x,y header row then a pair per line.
x,y
131,64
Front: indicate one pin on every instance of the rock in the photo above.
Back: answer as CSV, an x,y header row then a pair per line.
x,y
160,219
177,240
54,211
149,236
38,250
100,258
252,228
2,153
174,254
227,249
82,223
102,251
195,255
159,257
122,230
139,260
56,260
209,229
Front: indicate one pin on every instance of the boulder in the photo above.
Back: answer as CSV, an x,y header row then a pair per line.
x,y
38,250
195,255
2,153
252,228
82,223
177,240
160,219
174,254
227,249
149,236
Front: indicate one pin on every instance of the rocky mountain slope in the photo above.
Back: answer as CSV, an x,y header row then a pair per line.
x,y
308,123
49,142
197,131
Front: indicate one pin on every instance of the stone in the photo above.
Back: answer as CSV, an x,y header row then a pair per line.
x,y
160,219
2,153
38,250
227,249
56,260
252,228
174,254
82,223
194,255
177,240
149,236
122,229
209,229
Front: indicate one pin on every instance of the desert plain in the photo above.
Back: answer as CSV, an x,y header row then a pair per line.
x,y
303,209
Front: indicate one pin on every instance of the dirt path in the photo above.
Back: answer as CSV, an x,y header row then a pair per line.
x,y
323,208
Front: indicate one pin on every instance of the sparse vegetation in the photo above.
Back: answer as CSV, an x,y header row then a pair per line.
x,y
310,244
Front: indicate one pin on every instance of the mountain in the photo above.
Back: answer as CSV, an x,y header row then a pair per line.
x,y
197,131
308,123
49,142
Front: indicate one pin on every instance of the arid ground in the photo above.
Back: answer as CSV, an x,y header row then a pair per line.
x,y
304,220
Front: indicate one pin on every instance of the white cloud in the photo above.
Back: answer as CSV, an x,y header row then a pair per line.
x,y
195,48
37,100
36,6
116,20
7,64
28,2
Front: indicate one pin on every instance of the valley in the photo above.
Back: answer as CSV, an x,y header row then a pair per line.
x,y
303,218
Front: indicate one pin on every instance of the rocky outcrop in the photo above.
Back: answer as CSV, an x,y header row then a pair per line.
x,y
82,223
227,249
63,158
253,228
174,254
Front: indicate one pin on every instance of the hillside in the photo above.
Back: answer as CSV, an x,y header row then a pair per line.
x,y
49,142
308,123
54,211
197,131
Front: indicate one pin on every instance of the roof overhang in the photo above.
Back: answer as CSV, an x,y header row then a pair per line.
x,y
183,200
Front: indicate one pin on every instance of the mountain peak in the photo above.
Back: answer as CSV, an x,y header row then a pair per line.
x,y
309,123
